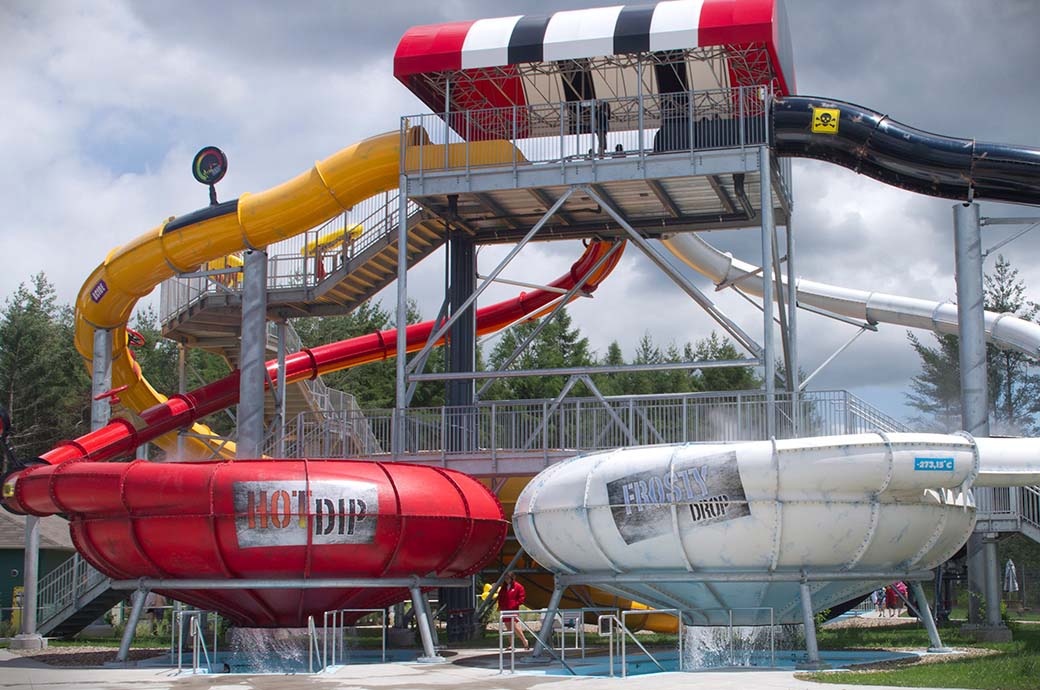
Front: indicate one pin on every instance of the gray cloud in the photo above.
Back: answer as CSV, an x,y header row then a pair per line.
x,y
106,102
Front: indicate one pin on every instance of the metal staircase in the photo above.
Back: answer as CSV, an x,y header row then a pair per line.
x,y
329,270
72,596
1009,509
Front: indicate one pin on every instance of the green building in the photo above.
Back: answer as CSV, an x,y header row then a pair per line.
x,y
55,548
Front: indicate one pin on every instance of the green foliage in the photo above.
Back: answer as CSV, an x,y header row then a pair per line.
x,y
1013,385
726,378
712,348
1015,382
936,391
373,384
1016,666
158,359
43,382
558,344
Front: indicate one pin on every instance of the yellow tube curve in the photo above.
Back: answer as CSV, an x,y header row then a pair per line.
x,y
130,272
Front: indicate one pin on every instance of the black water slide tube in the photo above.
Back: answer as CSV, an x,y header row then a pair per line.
x,y
871,144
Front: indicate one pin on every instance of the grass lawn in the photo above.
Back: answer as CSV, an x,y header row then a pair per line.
x,y
1015,666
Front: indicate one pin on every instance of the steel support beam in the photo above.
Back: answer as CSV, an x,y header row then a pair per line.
x,y
925,612
401,397
461,309
812,649
423,620
292,583
793,372
769,349
971,320
545,634
720,191
252,360
130,631
101,379
731,327
280,392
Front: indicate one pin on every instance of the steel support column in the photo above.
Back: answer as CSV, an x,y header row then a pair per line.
x,y
989,548
423,620
182,388
971,320
398,430
768,346
812,649
925,612
101,379
280,393
27,637
974,377
252,364
461,427
136,609
793,373
545,634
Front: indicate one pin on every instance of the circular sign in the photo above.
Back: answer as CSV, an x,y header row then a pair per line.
x,y
209,165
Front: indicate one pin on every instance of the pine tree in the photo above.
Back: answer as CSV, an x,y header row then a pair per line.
x,y
1016,382
43,383
558,345
1013,384
714,348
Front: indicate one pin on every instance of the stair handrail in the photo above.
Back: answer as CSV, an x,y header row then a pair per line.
x,y
1029,505
64,586
312,646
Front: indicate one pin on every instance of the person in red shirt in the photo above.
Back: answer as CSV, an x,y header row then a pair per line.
x,y
510,597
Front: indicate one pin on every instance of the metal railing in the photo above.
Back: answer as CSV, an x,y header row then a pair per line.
x,y
312,648
523,618
619,624
343,417
64,587
1017,506
299,262
558,133
334,633
1029,505
192,620
502,429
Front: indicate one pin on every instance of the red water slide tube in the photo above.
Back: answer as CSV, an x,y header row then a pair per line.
x,y
120,437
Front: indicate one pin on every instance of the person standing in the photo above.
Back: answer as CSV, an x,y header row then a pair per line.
x,y
511,596
877,597
602,124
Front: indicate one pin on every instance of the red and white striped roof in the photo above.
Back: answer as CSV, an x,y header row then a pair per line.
x,y
754,31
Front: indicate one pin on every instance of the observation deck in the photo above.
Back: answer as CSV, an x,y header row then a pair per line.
x,y
677,163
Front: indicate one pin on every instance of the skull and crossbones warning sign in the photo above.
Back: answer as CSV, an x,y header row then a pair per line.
x,y
825,120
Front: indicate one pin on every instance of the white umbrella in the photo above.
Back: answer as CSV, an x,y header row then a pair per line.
x,y
1010,577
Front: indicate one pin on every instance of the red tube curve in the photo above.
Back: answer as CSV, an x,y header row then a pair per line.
x,y
120,437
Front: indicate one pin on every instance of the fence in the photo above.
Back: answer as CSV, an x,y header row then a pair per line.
x,y
501,428
555,133
301,262
63,587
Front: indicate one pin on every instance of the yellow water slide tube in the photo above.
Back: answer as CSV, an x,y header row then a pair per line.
x,y
185,244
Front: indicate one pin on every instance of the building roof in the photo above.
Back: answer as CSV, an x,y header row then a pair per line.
x,y
607,52
54,532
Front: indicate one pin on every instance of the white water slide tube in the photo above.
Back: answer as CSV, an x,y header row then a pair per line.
x,y
720,530
1006,331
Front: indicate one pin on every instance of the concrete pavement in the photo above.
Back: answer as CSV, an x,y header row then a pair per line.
x,y
18,673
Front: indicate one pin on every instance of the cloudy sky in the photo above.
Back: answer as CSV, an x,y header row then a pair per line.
x,y
105,102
